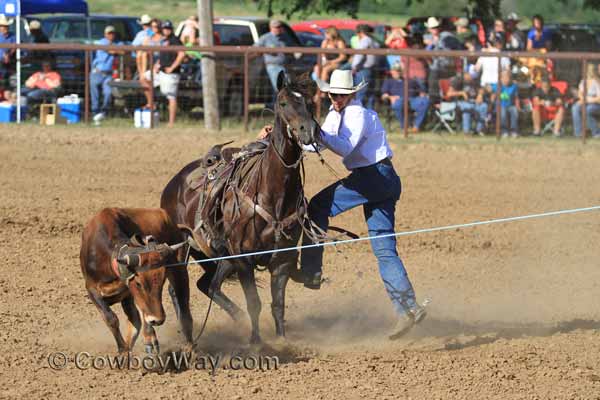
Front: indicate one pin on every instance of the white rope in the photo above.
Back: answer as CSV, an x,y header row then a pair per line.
x,y
406,233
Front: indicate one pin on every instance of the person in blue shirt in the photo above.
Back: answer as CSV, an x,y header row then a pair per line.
x,y
101,75
509,104
7,59
538,36
145,21
274,62
392,91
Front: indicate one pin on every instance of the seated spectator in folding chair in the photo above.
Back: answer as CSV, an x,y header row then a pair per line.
x,y
592,104
509,104
547,106
42,85
392,90
469,97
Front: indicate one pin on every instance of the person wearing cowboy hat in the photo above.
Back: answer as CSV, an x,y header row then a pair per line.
x,y
146,31
440,67
7,59
356,134
515,41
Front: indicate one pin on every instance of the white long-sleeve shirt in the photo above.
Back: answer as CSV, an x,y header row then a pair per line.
x,y
355,134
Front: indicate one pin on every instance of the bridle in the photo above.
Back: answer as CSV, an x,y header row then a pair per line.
x,y
279,113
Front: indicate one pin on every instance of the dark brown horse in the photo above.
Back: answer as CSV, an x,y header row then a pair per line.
x,y
260,208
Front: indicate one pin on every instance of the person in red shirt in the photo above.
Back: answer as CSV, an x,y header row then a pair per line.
x,y
42,84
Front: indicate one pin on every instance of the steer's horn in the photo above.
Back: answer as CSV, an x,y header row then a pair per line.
x,y
177,246
131,260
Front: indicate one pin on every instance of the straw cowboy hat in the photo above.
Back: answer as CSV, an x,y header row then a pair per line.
x,y
4,21
432,22
144,20
341,82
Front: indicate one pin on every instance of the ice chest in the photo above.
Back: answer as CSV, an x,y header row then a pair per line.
x,y
8,113
70,108
141,118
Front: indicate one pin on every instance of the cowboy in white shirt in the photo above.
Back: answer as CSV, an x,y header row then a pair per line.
x,y
356,134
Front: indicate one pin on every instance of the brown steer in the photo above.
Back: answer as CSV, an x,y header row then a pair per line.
x,y
120,267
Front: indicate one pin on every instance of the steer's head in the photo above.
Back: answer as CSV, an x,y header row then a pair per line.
x,y
143,269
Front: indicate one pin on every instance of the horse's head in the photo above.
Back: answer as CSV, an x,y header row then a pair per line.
x,y
295,107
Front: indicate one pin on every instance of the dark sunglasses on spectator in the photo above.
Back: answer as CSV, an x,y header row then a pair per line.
x,y
336,95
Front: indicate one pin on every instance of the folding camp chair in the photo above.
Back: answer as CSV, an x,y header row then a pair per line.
x,y
562,87
445,112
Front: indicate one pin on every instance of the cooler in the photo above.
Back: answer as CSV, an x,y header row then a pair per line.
x,y
70,108
8,113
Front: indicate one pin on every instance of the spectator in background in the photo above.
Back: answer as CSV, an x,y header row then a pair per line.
x,y
330,62
469,97
392,91
38,36
363,65
396,40
101,75
515,40
191,31
538,36
592,104
509,104
154,39
547,105
7,56
416,68
43,84
463,31
487,67
498,31
170,67
274,62
440,67
139,39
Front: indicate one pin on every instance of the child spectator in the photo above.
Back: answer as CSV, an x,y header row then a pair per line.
x,y
509,104
547,105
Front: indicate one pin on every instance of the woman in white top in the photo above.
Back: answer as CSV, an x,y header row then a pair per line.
x,y
487,67
355,133
592,108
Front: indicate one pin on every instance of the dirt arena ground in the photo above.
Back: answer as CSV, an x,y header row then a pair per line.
x,y
515,310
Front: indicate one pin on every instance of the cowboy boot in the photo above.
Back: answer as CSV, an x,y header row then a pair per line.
x,y
408,320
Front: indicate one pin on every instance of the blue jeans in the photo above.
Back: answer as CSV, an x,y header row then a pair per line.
x,y
418,104
273,71
591,109
509,119
99,81
377,188
471,109
38,94
365,74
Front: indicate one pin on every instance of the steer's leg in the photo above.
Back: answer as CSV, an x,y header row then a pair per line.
x,y
135,322
246,275
179,289
279,276
110,318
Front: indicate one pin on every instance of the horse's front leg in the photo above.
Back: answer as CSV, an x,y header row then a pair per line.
x,y
246,275
280,273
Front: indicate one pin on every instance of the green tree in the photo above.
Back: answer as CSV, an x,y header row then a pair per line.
x,y
307,7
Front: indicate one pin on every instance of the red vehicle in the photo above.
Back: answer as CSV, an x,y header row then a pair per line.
x,y
347,27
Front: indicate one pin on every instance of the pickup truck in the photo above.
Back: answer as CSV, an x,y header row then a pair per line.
x,y
231,31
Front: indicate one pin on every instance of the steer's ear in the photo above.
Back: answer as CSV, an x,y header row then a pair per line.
x,y
281,81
